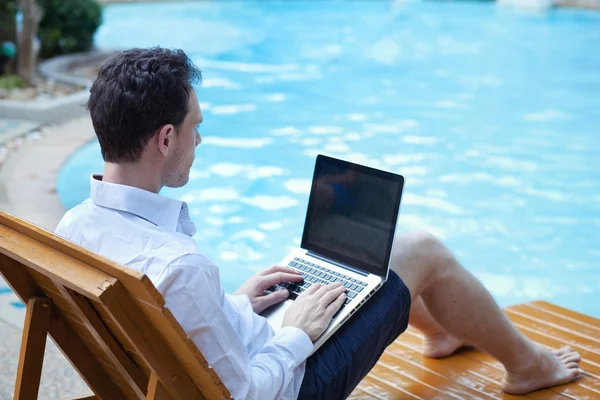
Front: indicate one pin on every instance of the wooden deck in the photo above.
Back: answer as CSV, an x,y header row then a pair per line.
x,y
402,373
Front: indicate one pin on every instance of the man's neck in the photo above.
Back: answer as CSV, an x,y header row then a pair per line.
x,y
136,175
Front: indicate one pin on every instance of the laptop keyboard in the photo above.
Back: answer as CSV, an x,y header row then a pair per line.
x,y
313,273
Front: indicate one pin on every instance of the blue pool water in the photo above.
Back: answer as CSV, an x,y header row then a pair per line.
x,y
493,116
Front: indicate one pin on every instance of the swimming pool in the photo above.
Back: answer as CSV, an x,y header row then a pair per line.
x,y
491,115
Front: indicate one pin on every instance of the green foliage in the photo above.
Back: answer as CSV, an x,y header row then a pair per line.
x,y
8,5
9,82
68,26
8,10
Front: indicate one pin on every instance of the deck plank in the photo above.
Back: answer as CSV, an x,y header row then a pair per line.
x,y
381,389
580,390
405,381
461,369
403,373
419,372
561,320
565,313
564,333
478,363
359,394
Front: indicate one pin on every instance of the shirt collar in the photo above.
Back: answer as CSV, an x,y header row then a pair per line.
x,y
159,210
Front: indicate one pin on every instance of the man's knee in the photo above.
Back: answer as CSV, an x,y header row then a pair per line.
x,y
425,249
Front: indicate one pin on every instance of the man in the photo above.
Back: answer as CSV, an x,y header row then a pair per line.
x,y
146,115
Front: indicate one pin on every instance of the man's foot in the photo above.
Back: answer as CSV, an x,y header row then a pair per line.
x,y
551,368
441,345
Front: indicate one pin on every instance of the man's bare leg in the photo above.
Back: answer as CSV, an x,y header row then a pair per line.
x,y
460,305
437,342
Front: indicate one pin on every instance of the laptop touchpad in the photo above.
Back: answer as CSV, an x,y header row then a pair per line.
x,y
274,315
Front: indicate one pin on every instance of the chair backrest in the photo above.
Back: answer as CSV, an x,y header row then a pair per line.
x,y
108,320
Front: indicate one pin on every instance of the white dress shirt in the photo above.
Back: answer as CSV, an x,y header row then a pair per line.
x,y
151,233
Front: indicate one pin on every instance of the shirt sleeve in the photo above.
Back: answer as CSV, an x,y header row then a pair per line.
x,y
251,361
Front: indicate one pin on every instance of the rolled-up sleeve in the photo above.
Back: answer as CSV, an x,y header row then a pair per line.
x,y
252,362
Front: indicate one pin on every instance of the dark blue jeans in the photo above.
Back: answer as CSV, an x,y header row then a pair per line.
x,y
347,357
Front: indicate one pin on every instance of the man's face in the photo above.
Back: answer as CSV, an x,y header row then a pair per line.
x,y
179,164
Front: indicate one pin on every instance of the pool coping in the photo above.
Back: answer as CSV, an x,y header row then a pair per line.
x,y
28,184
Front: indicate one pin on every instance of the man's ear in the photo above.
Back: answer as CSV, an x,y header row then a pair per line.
x,y
164,138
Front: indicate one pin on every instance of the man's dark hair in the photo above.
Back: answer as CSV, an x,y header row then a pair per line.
x,y
136,92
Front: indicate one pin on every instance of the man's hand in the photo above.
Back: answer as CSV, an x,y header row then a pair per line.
x,y
256,285
313,310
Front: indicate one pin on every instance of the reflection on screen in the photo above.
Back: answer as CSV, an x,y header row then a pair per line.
x,y
352,214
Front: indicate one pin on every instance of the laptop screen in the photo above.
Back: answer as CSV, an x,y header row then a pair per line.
x,y
352,213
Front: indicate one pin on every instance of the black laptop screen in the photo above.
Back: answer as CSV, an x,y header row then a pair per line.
x,y
352,213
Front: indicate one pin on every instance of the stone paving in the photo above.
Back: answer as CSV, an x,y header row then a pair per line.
x,y
12,128
11,132
23,179
59,379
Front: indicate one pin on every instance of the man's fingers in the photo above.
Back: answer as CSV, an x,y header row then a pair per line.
x,y
273,298
331,295
279,277
278,268
336,305
312,289
323,290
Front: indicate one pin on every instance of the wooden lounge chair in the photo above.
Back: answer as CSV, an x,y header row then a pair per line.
x,y
112,325
108,320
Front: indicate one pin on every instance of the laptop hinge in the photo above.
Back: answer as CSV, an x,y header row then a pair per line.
x,y
339,264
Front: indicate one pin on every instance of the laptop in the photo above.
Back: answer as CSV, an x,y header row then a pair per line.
x,y
348,234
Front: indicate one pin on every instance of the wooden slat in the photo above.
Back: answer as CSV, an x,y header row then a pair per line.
x,y
568,331
565,313
19,279
99,353
359,394
552,340
560,320
486,368
491,368
84,361
50,289
428,376
460,369
583,388
117,332
33,344
60,303
205,377
156,391
554,331
473,372
577,389
78,340
149,342
381,389
128,277
58,267
130,372
549,395
408,379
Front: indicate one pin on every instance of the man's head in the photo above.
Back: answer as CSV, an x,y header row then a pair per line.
x,y
145,110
